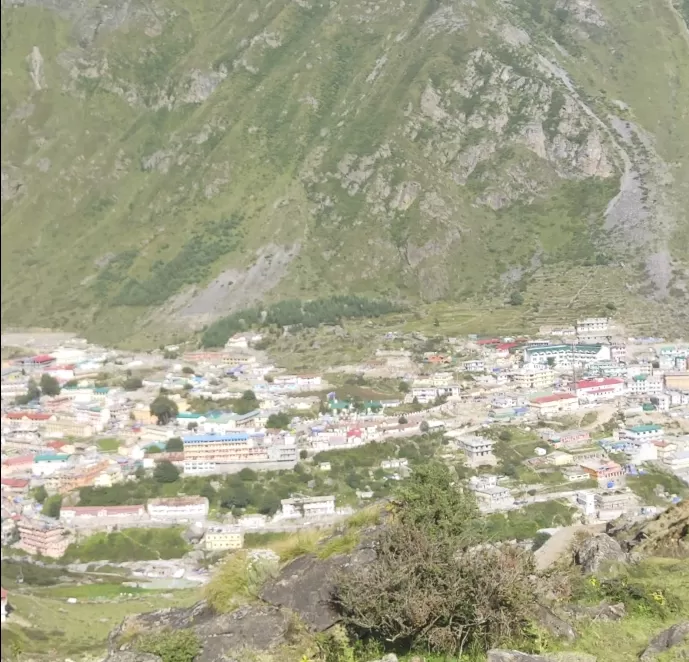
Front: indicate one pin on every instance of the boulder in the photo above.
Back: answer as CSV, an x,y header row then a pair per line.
x,y
555,625
306,584
499,655
602,612
131,656
593,552
667,639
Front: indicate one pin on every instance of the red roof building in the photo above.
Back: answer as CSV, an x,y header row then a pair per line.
x,y
29,416
14,484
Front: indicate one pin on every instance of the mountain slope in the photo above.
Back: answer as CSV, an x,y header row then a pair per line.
x,y
191,158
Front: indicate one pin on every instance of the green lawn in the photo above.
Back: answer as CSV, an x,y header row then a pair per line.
x,y
108,445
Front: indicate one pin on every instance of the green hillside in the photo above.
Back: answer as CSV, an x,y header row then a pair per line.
x,y
168,162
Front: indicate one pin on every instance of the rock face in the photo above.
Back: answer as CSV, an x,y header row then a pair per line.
x,y
595,551
666,640
555,625
301,591
305,585
499,655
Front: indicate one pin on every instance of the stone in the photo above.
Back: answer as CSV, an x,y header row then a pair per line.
x,y
601,612
499,655
555,625
593,552
131,656
665,640
306,584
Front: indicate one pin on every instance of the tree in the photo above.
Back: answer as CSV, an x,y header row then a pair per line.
x,y
140,472
192,426
72,383
52,506
132,383
402,420
303,454
505,435
32,393
164,409
279,421
269,379
551,361
403,387
187,370
165,472
611,307
40,494
49,385
247,475
424,427
516,299
153,450
174,445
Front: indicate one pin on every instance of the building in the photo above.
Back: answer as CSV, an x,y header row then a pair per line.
x,y
220,539
587,502
320,506
42,536
75,477
567,356
178,509
606,472
552,405
575,474
478,451
14,485
677,380
253,521
559,459
535,376
48,464
592,326
570,438
19,464
640,433
205,451
611,505
474,366
602,388
645,385
494,498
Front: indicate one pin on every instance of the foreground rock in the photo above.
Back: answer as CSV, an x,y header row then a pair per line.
x,y
498,655
665,534
666,640
595,551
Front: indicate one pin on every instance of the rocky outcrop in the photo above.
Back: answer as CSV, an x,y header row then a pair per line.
x,y
305,585
601,612
554,624
593,552
666,640
499,655
131,656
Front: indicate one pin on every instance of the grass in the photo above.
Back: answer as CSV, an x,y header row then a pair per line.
x,y
108,445
339,544
644,486
44,627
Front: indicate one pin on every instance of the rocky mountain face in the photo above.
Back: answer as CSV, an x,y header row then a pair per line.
x,y
191,158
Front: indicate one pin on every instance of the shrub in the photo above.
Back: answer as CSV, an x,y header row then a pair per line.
x,y
430,586
170,645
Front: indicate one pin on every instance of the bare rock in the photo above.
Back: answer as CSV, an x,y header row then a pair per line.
x,y
306,584
667,639
131,656
595,551
555,625
602,612
499,655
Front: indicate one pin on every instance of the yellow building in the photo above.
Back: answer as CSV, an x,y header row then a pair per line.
x,y
142,414
677,380
535,378
68,427
222,539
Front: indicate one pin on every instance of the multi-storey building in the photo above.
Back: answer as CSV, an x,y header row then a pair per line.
x,y
596,390
570,438
76,477
641,433
42,536
223,538
320,506
645,385
567,356
178,509
102,516
478,450
534,376
206,450
606,472
592,325
550,405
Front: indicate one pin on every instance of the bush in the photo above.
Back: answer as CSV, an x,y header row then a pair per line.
x,y
430,586
170,645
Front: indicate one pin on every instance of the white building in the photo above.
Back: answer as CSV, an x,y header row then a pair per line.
x,y
494,498
566,356
641,451
222,538
597,390
475,365
534,376
592,325
587,502
645,385
641,433
478,451
320,506
178,509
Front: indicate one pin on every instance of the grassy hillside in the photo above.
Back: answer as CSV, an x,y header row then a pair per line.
x,y
177,161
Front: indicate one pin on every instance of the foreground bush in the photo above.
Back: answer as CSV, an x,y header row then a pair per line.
x,y
431,586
